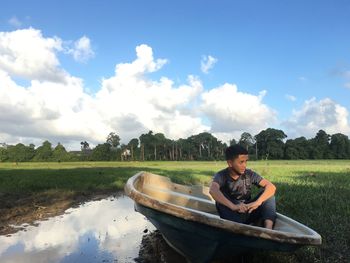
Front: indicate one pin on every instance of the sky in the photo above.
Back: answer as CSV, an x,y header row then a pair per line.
x,y
73,71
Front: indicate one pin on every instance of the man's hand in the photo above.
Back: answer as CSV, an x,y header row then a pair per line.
x,y
240,208
252,206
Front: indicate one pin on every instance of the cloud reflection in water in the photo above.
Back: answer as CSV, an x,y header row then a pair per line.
x,y
107,230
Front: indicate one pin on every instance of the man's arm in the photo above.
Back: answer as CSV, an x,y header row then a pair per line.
x,y
269,191
218,196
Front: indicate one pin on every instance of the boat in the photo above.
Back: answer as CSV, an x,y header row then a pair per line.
x,y
188,220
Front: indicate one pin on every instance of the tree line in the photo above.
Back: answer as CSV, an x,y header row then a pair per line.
x,y
268,144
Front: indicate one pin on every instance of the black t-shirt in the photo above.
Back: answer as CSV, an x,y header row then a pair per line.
x,y
237,190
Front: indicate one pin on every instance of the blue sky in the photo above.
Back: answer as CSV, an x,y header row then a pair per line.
x,y
286,65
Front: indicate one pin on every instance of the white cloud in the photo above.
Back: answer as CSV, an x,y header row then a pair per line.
x,y
233,112
46,110
26,53
144,63
315,115
82,50
347,85
207,63
15,22
145,104
54,105
128,102
290,97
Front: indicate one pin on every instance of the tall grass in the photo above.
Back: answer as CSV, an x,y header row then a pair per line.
x,y
316,193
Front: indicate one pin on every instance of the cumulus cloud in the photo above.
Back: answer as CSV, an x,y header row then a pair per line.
x,y
26,53
232,112
54,105
128,102
144,63
81,50
315,115
207,63
146,104
45,109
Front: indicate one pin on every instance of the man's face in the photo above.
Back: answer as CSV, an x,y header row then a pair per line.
x,y
239,164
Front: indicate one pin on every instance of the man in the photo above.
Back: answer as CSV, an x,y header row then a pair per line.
x,y
231,189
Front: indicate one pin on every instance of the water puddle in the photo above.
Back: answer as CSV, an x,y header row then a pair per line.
x,y
107,230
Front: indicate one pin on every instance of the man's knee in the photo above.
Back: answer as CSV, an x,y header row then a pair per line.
x,y
269,209
271,202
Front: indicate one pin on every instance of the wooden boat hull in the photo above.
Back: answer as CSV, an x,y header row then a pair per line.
x,y
187,218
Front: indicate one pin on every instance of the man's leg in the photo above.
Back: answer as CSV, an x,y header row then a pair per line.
x,y
227,213
266,212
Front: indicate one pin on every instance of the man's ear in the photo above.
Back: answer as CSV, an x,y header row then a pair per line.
x,y
229,163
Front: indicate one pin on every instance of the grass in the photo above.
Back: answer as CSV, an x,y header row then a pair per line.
x,y
315,193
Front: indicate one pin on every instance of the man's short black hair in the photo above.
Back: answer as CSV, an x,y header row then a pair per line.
x,y
233,151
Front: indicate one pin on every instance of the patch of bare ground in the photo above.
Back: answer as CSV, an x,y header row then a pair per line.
x,y
154,249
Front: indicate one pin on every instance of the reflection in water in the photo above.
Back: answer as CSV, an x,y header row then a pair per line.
x,y
108,230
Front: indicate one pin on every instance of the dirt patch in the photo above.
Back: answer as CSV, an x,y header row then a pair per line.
x,y
154,249
19,209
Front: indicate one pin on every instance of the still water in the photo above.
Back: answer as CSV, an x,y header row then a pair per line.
x,y
108,230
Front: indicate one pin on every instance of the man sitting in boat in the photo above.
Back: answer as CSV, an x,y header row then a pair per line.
x,y
231,189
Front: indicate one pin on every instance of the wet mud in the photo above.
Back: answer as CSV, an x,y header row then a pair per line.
x,y
154,249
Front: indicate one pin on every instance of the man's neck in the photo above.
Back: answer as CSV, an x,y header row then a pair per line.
x,y
233,174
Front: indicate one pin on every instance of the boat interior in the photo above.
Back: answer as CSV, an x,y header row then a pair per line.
x,y
198,199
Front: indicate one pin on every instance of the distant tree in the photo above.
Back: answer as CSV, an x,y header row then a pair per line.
x,y
148,146
44,152
205,146
20,153
188,149
246,140
233,141
60,154
320,146
340,146
133,145
113,139
296,149
102,152
183,147
159,142
3,154
270,143
84,145
85,151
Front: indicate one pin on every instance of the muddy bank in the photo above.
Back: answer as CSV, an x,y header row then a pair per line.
x,y
154,249
18,209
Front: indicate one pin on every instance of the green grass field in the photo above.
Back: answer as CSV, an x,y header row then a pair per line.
x,y
316,193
